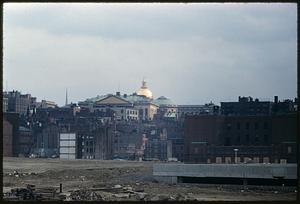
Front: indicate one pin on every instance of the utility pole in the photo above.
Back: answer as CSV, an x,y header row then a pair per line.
x,y
235,155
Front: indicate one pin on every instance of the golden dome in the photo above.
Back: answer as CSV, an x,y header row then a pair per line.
x,y
144,91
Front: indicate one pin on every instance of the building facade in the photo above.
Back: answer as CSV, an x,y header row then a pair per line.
x,y
260,139
17,102
47,104
7,138
5,104
26,141
207,109
137,106
14,120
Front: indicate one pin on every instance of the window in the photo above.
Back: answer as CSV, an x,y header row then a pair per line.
x,y
238,139
289,149
256,125
266,139
122,111
238,126
228,126
265,125
247,139
247,126
141,111
256,139
227,141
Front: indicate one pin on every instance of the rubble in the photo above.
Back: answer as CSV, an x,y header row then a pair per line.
x,y
117,186
88,195
140,196
31,193
160,198
108,181
122,195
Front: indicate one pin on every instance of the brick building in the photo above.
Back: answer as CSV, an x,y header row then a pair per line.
x,y
11,133
4,104
96,144
26,141
206,109
7,138
19,103
246,106
265,138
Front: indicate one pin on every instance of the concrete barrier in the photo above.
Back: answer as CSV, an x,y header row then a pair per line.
x,y
170,172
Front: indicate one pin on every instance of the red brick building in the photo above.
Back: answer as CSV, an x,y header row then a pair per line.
x,y
7,138
212,139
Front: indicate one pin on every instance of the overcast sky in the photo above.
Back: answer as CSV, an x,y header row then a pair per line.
x,y
191,53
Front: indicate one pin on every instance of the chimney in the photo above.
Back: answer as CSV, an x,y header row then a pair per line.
x,y
239,98
276,99
125,95
118,93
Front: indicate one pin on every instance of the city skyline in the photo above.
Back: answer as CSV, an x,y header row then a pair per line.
x,y
210,52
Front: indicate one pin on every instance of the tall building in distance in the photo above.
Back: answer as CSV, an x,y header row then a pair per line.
x,y
17,102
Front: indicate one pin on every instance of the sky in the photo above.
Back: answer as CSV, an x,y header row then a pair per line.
x,y
190,53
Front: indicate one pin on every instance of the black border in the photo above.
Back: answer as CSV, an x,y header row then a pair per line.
x,y
166,1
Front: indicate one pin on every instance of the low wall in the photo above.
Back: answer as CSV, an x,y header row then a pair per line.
x,y
260,171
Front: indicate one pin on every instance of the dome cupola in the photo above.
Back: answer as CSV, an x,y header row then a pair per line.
x,y
144,91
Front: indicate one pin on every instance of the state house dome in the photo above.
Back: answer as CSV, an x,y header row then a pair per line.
x,y
144,91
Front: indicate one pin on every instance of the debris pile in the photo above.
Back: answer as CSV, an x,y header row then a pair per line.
x,y
83,194
17,174
32,193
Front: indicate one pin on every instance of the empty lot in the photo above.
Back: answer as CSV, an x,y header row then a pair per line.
x,y
85,174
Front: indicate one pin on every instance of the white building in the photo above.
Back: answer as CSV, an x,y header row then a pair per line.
x,y
67,146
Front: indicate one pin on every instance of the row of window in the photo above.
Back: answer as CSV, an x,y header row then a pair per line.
x,y
88,150
257,140
88,143
129,112
256,126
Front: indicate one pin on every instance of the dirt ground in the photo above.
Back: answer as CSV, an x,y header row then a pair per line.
x,y
133,175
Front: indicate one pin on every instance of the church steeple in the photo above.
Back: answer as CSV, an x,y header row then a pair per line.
x,y
66,96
